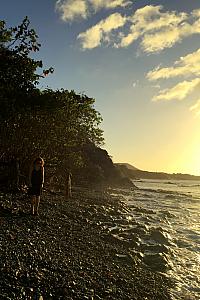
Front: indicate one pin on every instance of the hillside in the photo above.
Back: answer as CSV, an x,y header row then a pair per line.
x,y
133,173
128,166
99,169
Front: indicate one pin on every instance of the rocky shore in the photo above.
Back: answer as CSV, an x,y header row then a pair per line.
x,y
67,252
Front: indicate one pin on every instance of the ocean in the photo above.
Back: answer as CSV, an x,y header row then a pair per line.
x,y
164,230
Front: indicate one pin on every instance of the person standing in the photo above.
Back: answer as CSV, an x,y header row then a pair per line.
x,y
36,181
68,192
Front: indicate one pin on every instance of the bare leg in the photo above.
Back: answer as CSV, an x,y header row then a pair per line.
x,y
68,189
37,204
33,202
68,193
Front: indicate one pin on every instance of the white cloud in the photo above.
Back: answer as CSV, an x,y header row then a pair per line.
x,y
99,4
156,29
99,33
128,39
82,9
196,108
186,66
165,38
72,9
156,86
168,36
196,12
150,18
179,91
135,83
196,105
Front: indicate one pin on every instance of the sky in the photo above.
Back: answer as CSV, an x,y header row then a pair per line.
x,y
139,59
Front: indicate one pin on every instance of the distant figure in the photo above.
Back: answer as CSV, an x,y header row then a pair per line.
x,y
36,180
68,193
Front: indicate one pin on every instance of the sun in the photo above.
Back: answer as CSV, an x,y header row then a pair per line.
x,y
188,160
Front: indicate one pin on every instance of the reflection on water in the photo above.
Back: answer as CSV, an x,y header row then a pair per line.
x,y
165,231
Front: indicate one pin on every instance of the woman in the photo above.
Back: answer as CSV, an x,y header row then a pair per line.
x,y
37,181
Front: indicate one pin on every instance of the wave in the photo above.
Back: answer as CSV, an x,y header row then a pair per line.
x,y
170,242
161,191
189,185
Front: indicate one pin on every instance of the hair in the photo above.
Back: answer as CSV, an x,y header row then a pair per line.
x,y
39,159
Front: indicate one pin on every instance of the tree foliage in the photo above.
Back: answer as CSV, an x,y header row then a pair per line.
x,y
18,76
54,124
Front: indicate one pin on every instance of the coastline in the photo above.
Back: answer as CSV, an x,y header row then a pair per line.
x,y
68,252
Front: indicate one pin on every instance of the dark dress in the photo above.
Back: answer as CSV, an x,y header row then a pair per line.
x,y
36,182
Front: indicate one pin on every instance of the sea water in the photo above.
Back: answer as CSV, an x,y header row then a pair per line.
x,y
165,231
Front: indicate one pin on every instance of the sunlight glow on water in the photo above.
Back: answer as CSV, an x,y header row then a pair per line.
x,y
165,218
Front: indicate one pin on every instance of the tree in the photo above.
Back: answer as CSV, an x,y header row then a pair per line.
x,y
54,124
66,122
18,77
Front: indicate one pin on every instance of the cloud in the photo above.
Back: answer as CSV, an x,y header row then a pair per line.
x,y
196,108
196,12
168,36
165,38
179,91
186,66
72,9
155,28
135,83
99,33
82,9
99,4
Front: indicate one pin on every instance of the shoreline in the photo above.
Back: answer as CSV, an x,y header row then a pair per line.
x,y
68,252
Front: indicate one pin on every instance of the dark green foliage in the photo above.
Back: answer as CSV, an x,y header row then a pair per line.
x,y
54,124
56,132
18,77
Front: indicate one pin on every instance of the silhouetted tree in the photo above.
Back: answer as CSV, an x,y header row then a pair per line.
x,y
54,124
18,77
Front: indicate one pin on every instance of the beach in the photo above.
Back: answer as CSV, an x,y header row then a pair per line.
x,y
68,251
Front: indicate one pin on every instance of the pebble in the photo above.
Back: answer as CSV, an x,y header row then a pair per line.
x,y
65,254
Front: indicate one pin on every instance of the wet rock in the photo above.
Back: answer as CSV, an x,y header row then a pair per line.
x,y
158,235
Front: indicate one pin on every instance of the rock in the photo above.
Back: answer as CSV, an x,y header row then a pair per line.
x,y
69,253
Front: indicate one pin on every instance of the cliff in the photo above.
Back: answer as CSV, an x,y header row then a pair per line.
x,y
99,168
